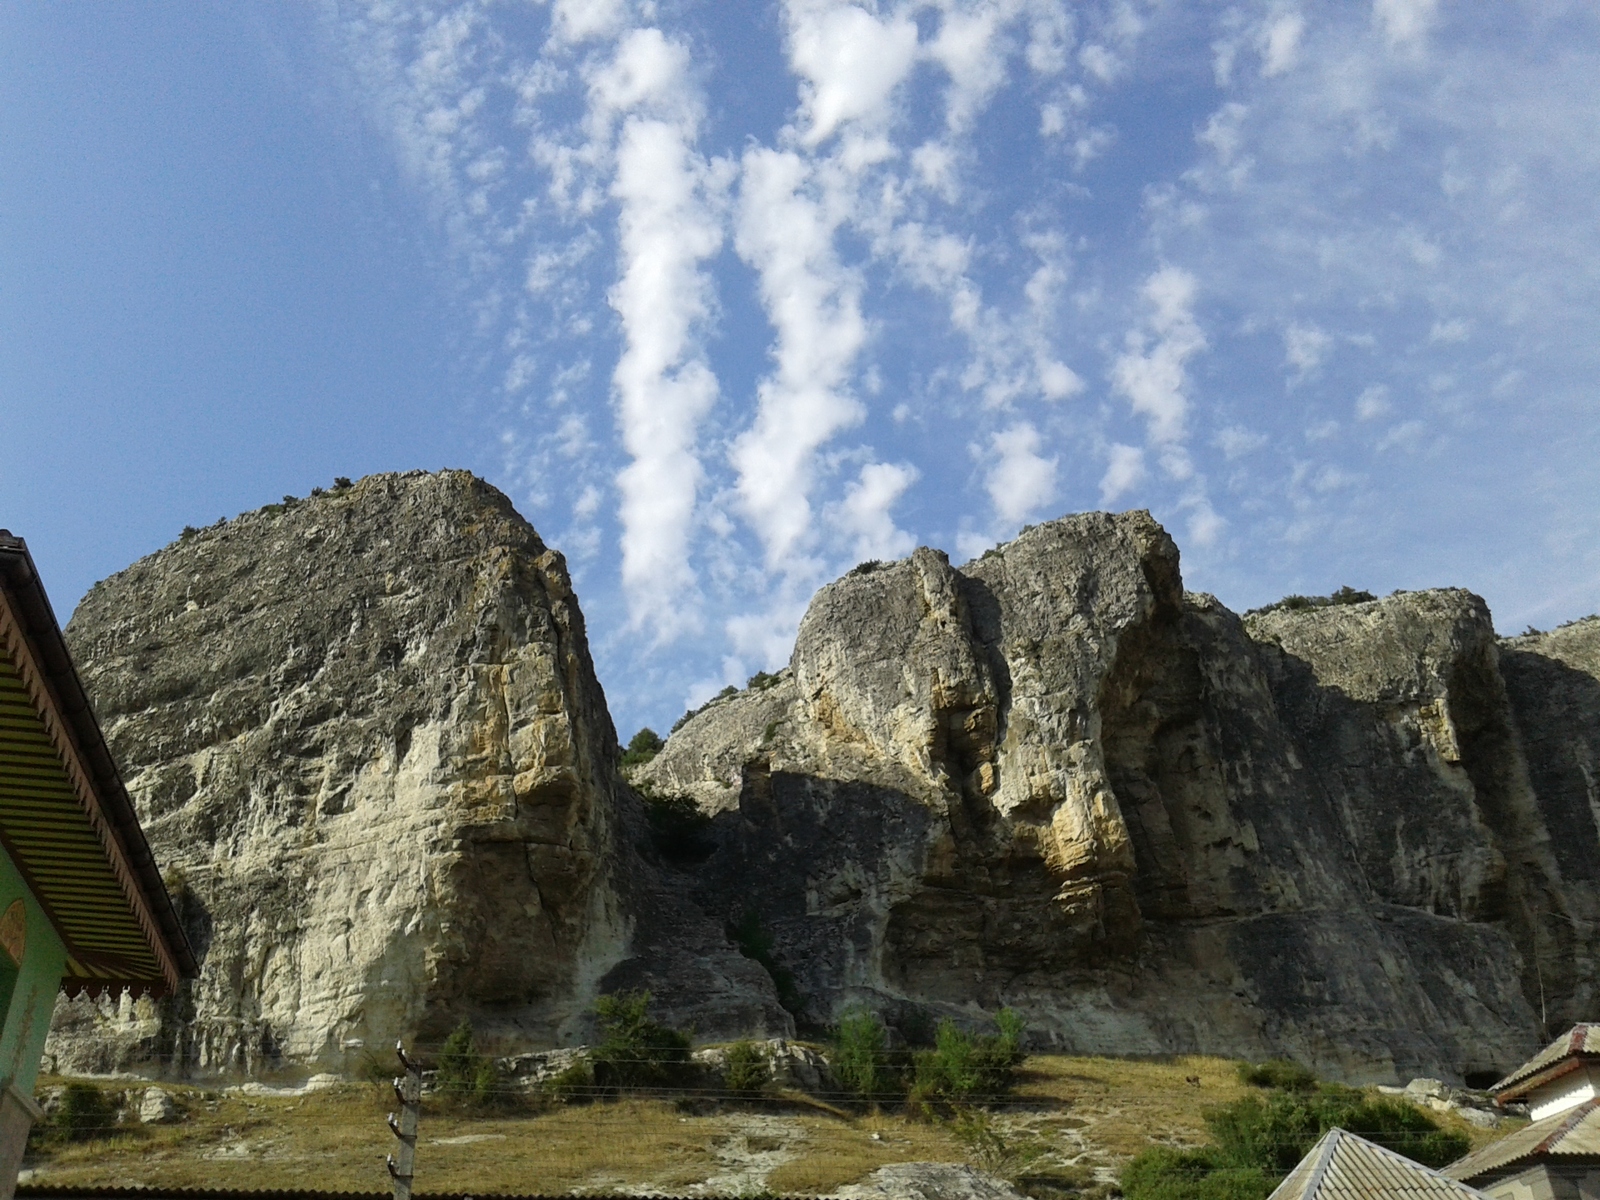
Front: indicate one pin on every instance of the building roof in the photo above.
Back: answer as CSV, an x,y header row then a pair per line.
x,y
1571,1050
1343,1166
1571,1134
65,817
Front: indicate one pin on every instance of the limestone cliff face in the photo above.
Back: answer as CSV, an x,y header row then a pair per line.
x,y
366,740
365,736
1051,779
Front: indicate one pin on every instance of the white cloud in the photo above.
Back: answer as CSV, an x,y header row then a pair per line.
x,y
850,61
814,304
664,387
1449,332
1150,372
1279,42
1372,403
1124,471
1403,23
1021,481
1305,348
579,20
1236,442
864,513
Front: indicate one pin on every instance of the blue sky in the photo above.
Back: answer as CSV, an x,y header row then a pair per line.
x,y
729,297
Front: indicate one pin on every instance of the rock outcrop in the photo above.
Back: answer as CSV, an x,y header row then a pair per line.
x,y
367,741
367,744
1053,780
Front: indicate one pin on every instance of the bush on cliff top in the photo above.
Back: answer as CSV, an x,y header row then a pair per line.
x,y
643,746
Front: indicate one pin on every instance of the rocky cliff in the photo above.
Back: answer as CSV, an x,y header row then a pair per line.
x,y
365,736
1361,834
368,746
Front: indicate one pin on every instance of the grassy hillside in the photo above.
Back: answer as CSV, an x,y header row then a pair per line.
x,y
1071,1125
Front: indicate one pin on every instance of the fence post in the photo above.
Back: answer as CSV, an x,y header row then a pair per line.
x,y
408,1090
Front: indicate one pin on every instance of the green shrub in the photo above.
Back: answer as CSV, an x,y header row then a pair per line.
x,y
748,1071
860,1058
572,1084
1278,1073
188,532
1256,1141
466,1075
755,943
342,482
992,1149
634,1051
85,1113
1163,1174
643,746
761,681
964,1069
679,831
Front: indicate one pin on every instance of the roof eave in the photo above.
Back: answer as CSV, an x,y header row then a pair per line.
x,y
45,646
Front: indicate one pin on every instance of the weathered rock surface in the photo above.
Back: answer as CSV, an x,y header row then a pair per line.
x,y
365,735
1053,780
367,743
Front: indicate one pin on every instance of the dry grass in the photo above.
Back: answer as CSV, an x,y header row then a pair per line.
x,y
1070,1115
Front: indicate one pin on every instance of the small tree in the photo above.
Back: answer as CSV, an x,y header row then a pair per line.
x,y
643,746
748,1072
635,1051
860,1058
465,1074
85,1114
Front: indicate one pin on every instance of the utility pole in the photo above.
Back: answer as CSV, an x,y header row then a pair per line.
x,y
408,1090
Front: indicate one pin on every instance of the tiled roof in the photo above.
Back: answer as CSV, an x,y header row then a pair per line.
x,y
1574,1133
1343,1166
1581,1042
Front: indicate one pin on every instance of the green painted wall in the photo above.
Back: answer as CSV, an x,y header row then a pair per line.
x,y
44,960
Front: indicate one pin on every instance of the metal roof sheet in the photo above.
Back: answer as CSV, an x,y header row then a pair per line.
x,y
1574,1133
65,818
1579,1044
1343,1166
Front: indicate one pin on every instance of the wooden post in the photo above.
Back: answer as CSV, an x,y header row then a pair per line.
x,y
408,1090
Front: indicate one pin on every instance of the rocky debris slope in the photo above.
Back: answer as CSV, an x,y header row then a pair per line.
x,y
367,743
1053,780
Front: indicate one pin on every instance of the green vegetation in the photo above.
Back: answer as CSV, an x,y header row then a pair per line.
x,y
860,1057
748,1072
85,1113
960,1069
317,492
679,831
965,1069
866,568
342,482
761,681
188,532
642,747
467,1076
756,943
1345,595
1278,1073
572,1083
635,1051
1256,1141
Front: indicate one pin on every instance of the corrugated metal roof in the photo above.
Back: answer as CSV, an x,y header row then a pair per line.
x,y
65,818
1574,1133
1343,1166
1576,1046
